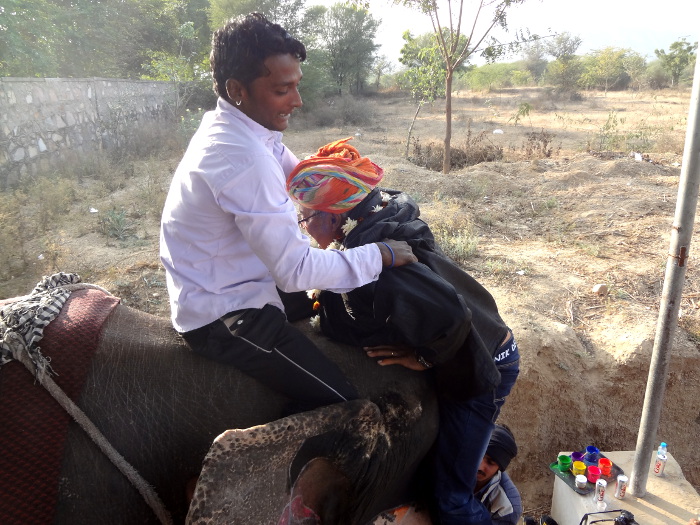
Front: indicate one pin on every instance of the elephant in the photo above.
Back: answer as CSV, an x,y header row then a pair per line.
x,y
161,406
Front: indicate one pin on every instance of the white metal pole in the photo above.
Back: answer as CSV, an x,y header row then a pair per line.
x,y
667,323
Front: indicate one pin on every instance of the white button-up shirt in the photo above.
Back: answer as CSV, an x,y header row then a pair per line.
x,y
229,232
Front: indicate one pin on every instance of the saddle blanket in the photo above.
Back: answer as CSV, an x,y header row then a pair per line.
x,y
34,426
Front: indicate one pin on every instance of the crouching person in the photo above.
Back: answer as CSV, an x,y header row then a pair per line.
x,y
494,487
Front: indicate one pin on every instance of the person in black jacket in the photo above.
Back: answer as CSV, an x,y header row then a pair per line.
x,y
426,315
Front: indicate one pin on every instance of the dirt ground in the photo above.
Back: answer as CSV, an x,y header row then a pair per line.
x,y
540,232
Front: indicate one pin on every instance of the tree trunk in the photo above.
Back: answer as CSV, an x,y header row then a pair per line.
x,y
446,161
410,128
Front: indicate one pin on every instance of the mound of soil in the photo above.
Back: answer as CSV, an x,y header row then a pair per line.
x,y
555,230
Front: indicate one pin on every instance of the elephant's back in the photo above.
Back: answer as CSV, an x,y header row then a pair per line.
x,y
161,406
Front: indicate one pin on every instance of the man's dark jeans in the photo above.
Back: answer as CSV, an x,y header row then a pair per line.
x,y
465,431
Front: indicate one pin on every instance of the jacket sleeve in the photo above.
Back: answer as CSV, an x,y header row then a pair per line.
x,y
511,492
422,310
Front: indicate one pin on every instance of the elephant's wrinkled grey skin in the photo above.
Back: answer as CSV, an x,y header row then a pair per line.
x,y
161,407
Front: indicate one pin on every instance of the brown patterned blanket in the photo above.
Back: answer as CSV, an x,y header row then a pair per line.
x,y
34,426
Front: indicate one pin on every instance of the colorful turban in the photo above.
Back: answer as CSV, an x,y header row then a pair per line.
x,y
333,180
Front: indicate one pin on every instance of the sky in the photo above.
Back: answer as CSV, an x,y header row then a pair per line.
x,y
640,25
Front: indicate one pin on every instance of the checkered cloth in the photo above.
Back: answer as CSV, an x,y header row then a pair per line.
x,y
22,322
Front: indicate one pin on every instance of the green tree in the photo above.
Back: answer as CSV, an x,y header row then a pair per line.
x,y
490,76
382,66
425,72
424,76
565,70
457,46
346,37
520,76
635,65
678,57
563,46
185,69
79,38
197,12
113,38
28,38
605,68
533,54
287,13
656,76
564,74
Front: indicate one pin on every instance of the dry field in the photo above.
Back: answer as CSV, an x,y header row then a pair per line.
x,y
567,207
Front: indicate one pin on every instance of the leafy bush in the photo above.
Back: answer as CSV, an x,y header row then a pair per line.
x,y
189,122
538,144
355,112
340,111
115,224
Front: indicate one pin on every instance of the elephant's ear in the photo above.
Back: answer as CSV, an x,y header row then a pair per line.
x,y
245,474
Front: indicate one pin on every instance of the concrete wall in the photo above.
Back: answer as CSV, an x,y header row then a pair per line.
x,y
45,120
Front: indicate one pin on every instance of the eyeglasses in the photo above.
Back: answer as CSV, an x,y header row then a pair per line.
x,y
302,222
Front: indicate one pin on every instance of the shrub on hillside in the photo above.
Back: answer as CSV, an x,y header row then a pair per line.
x,y
472,151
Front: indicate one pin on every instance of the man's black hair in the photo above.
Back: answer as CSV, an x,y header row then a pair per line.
x,y
239,48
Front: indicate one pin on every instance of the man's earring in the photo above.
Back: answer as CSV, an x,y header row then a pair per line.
x,y
238,102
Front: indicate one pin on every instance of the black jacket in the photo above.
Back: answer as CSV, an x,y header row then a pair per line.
x,y
432,305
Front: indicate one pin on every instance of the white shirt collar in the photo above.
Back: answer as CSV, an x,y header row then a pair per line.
x,y
266,136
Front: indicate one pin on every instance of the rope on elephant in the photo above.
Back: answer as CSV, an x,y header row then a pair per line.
x,y
145,489
22,326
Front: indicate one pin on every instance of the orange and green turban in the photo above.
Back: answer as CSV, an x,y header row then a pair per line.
x,y
333,180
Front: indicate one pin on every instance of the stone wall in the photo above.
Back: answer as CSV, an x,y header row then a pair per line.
x,y
45,120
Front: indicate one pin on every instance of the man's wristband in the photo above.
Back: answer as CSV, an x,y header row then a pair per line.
x,y
393,260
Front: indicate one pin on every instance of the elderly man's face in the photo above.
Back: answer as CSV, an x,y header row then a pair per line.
x,y
323,227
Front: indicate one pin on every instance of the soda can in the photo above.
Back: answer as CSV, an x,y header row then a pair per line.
x,y
600,487
621,486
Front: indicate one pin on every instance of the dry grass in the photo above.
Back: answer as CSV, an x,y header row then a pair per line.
x,y
538,227
47,225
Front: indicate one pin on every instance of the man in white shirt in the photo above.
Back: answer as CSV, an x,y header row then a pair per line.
x,y
229,232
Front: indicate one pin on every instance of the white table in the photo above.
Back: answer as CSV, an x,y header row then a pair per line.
x,y
670,499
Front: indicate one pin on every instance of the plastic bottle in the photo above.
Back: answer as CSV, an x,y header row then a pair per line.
x,y
661,456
